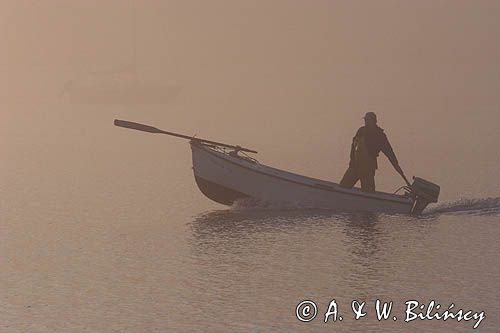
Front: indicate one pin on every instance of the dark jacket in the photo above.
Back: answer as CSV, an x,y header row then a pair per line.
x,y
375,141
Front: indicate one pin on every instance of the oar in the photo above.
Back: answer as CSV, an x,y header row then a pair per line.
x,y
151,129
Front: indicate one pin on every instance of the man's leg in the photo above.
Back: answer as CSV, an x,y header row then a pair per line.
x,y
368,180
350,178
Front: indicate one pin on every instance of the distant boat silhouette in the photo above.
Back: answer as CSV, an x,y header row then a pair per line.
x,y
123,84
118,86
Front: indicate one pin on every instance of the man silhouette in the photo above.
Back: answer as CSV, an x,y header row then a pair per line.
x,y
368,142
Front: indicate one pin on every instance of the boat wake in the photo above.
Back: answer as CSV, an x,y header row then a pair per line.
x,y
476,206
479,206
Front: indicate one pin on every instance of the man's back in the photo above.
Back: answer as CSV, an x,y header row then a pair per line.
x,y
368,142
375,141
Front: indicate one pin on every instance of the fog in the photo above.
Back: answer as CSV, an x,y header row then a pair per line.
x,y
104,229
291,79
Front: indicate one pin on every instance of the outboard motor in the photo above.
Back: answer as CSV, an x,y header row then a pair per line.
x,y
423,193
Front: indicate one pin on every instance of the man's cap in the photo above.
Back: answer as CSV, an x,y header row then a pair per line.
x,y
370,115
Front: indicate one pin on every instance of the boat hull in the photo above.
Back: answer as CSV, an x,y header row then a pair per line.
x,y
226,179
218,193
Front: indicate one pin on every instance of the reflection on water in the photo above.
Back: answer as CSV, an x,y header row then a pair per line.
x,y
234,222
362,228
232,227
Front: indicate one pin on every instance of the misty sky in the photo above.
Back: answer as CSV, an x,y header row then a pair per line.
x,y
291,78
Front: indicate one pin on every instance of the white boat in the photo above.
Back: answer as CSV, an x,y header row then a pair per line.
x,y
227,176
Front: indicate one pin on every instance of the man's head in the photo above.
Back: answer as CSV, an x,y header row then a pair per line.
x,y
370,119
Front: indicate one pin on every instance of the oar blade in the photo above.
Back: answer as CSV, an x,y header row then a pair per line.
x,y
151,129
136,126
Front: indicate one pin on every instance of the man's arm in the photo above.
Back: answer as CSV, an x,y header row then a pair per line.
x,y
389,152
353,148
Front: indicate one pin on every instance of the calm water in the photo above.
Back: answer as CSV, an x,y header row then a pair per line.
x,y
116,238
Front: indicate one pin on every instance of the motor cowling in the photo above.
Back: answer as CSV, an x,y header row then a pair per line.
x,y
423,193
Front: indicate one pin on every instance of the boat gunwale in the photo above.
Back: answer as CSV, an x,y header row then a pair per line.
x,y
329,188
